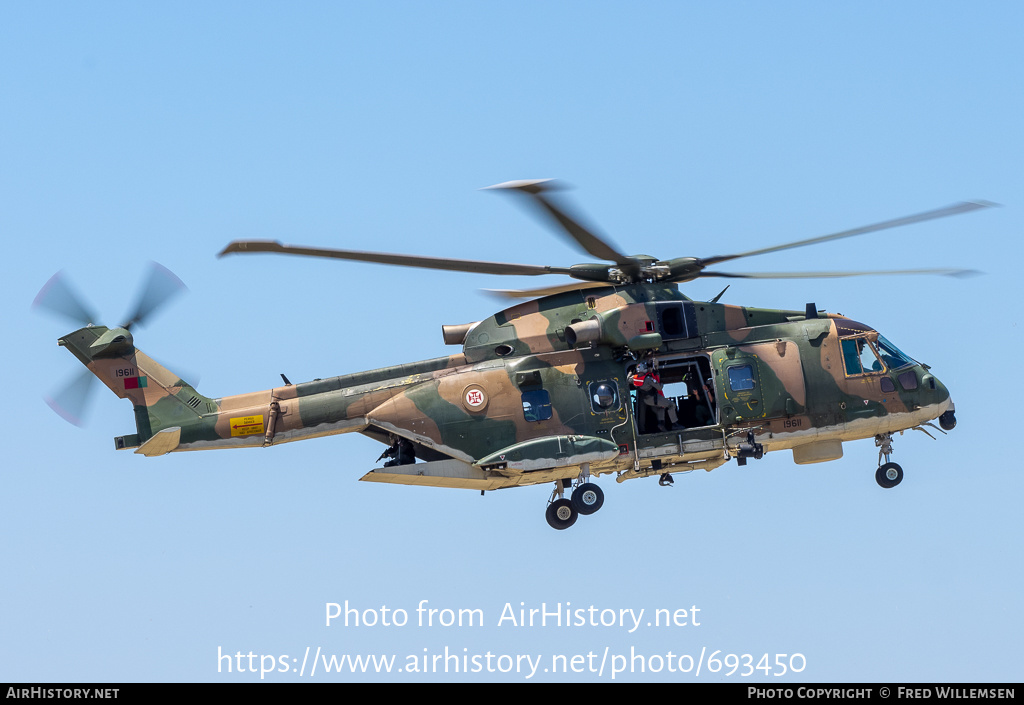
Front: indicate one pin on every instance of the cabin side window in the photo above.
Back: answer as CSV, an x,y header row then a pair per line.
x,y
741,378
536,405
604,396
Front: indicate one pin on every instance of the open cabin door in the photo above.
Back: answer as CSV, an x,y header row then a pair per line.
x,y
686,399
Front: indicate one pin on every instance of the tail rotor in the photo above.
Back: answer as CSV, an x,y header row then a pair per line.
x,y
71,400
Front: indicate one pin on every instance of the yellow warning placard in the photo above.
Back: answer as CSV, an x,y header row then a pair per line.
x,y
247,425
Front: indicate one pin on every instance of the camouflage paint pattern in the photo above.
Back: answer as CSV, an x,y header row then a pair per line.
x,y
520,405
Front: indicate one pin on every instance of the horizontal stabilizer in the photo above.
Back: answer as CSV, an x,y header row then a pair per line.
x,y
161,443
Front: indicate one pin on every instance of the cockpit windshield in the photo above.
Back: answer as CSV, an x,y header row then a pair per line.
x,y
891,355
865,351
862,355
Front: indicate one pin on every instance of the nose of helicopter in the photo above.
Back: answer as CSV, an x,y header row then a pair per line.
x,y
940,395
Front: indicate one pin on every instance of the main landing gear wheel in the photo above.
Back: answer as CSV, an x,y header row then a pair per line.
x,y
889,475
561,514
587,498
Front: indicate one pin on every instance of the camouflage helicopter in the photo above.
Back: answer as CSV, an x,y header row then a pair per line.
x,y
617,373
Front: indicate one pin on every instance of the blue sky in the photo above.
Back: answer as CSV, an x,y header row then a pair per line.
x,y
132,133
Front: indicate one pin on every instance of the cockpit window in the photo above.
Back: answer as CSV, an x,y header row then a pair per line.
x,y
859,357
891,355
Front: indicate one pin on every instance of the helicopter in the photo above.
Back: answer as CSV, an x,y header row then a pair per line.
x,y
617,374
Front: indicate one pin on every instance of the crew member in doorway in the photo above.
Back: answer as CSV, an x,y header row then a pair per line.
x,y
400,452
651,399
705,399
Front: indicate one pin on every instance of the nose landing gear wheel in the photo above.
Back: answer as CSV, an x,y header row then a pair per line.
x,y
889,475
561,514
587,498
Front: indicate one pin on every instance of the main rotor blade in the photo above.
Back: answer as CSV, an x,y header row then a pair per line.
x,y
591,243
160,287
828,275
58,297
545,291
452,265
955,209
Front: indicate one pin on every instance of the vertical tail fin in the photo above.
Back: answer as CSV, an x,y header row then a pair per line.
x,y
162,400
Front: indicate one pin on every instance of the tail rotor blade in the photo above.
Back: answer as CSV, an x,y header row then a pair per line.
x,y
71,402
161,286
57,296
